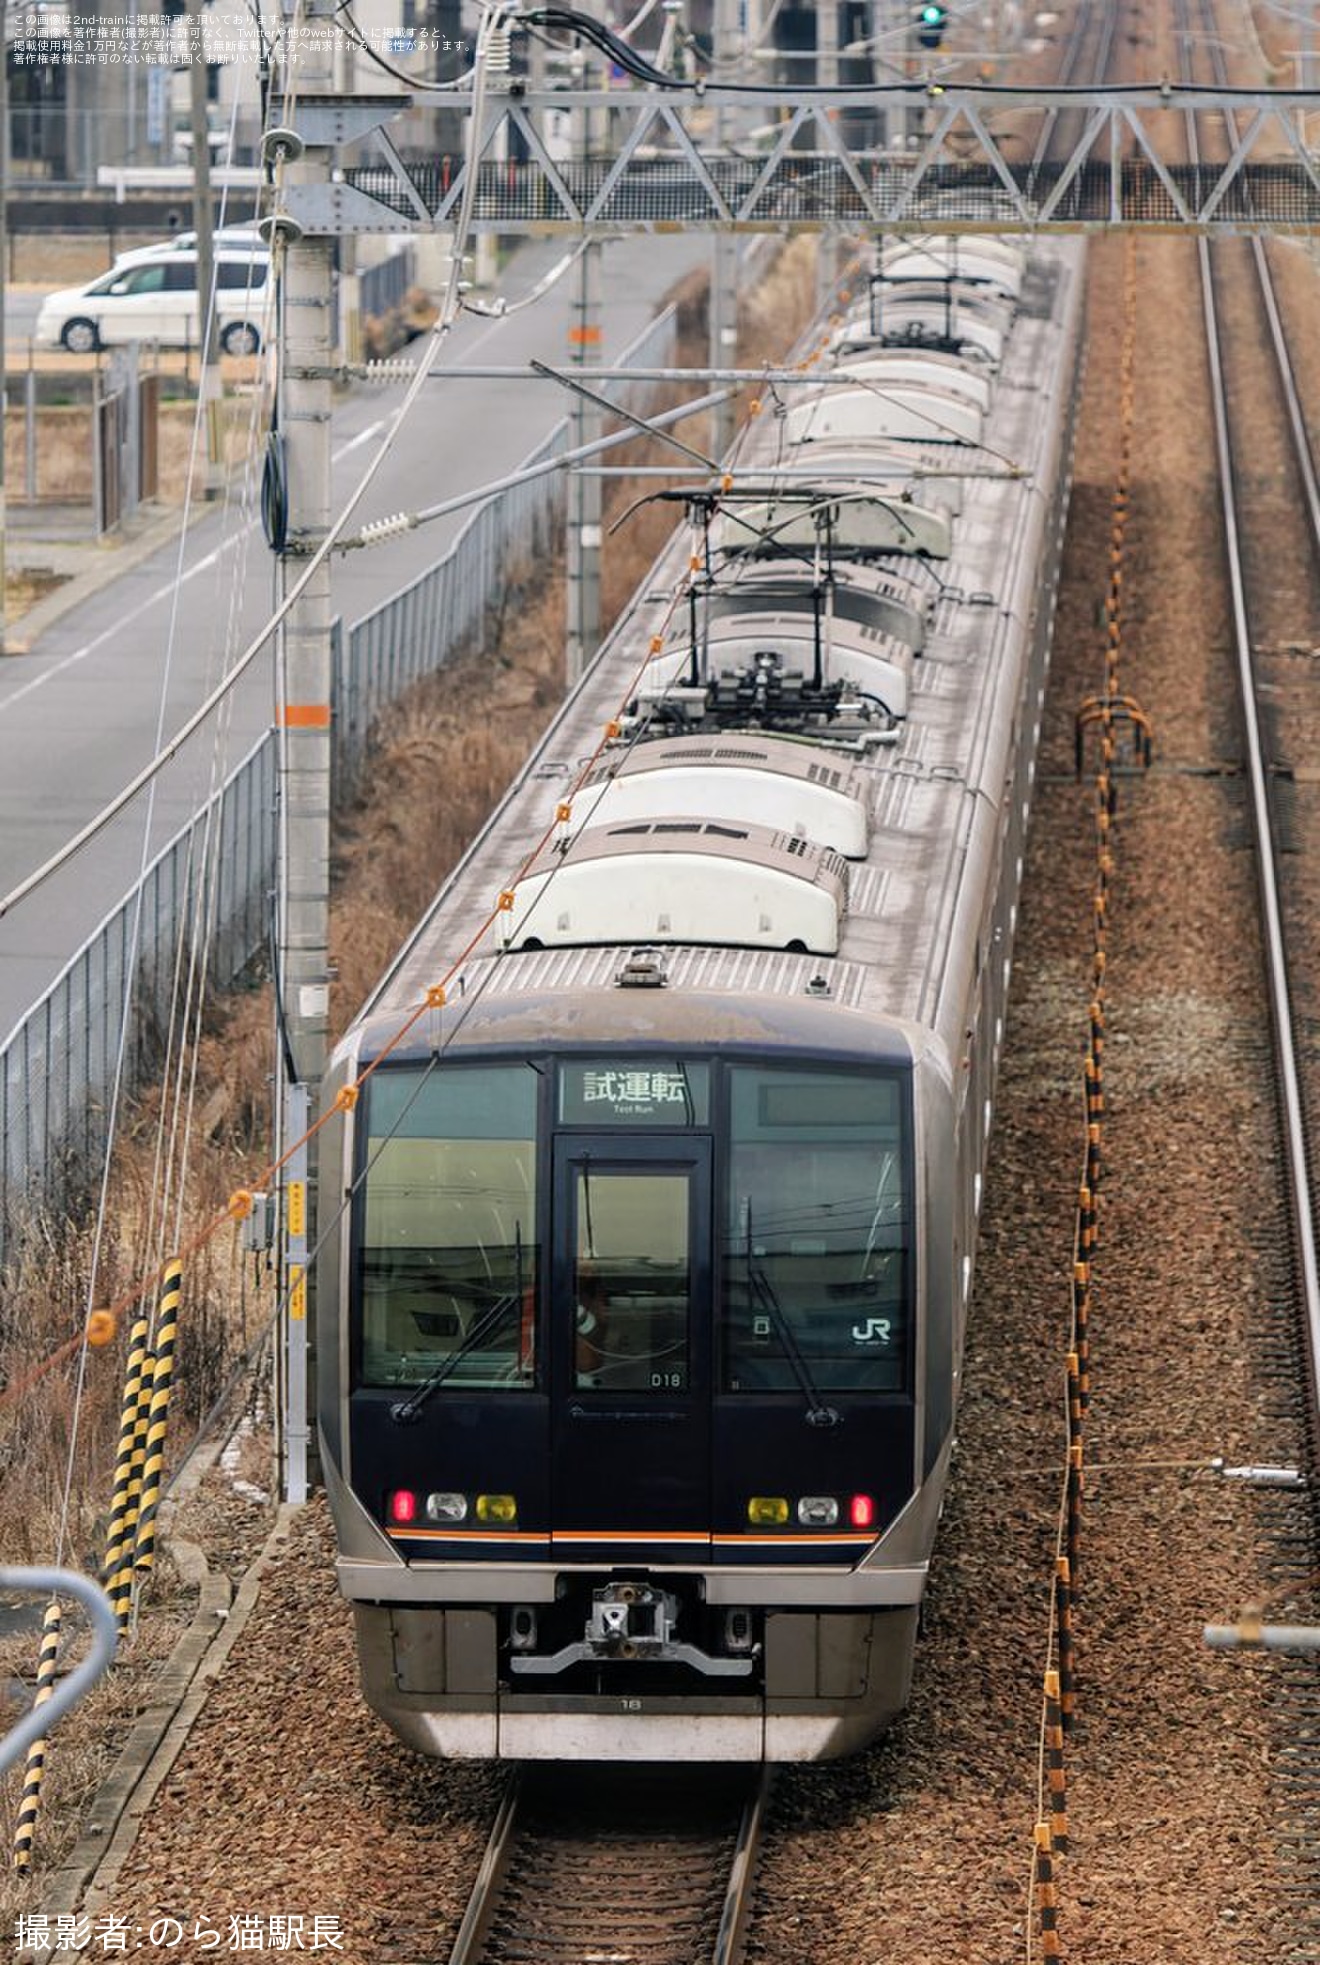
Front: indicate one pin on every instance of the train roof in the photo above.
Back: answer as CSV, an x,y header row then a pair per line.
x,y
781,789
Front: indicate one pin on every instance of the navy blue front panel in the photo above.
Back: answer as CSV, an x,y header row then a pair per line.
x,y
629,1368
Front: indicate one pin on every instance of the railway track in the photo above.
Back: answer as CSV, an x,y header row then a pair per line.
x,y
653,1866
1271,505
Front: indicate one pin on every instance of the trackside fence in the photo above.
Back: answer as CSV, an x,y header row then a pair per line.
x,y
217,875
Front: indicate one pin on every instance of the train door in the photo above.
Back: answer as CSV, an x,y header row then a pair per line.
x,y
629,1372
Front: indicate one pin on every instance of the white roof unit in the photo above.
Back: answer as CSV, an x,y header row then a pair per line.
x,y
680,880
933,368
920,318
906,410
934,472
981,262
862,520
747,777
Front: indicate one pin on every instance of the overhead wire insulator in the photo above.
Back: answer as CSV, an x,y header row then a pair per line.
x,y
378,530
388,370
498,50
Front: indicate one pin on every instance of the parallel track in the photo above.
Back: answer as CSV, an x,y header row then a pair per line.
x,y
1287,1355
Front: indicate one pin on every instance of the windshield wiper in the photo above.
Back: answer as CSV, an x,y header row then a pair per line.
x,y
764,1290
486,1325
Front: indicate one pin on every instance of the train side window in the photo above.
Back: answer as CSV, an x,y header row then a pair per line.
x,y
818,1224
448,1263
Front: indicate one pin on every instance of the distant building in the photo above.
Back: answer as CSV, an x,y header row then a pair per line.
x,y
96,83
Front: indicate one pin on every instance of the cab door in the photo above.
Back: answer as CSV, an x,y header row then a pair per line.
x,y
630,1366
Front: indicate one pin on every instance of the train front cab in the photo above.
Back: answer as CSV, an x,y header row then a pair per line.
x,y
632,1425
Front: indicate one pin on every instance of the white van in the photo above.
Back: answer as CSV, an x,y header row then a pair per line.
x,y
156,300
225,238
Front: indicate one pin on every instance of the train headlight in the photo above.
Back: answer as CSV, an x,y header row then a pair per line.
x,y
496,1508
447,1507
767,1511
818,1511
401,1506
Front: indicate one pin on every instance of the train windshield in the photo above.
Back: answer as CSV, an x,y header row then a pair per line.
x,y
746,1221
449,1258
817,1233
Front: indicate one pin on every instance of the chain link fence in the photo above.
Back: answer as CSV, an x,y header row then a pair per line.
x,y
215,879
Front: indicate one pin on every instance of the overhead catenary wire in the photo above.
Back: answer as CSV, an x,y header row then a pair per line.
x,y
202,874
130,965
100,1327
343,13
166,752
101,1324
334,541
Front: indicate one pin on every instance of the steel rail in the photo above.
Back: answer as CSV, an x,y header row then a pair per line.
x,y
736,1915
1078,36
494,1868
1282,1016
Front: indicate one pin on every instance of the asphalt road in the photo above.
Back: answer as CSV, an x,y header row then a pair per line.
x,y
89,705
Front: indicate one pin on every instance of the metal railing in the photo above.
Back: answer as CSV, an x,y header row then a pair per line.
x,y
384,285
58,1066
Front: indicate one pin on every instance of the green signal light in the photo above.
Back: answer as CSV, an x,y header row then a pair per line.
x,y
931,25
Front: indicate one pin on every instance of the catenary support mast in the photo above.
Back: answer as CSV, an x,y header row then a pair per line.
x,y
303,699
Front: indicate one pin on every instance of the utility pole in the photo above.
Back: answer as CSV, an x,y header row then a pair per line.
x,y
827,76
4,275
303,698
208,380
584,487
723,310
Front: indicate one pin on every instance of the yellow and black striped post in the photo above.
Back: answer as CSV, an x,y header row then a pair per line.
x,y
167,1331
1074,1397
34,1770
1063,1619
1074,1498
119,1541
137,1462
1086,1224
1056,1776
1082,1327
1046,1894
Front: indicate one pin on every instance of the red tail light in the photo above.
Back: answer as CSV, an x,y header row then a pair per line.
x,y
861,1511
402,1506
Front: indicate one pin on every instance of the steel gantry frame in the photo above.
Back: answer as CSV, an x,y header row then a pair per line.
x,y
971,170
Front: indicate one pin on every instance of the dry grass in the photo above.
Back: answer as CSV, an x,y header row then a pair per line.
x,y
24,589
440,759
63,448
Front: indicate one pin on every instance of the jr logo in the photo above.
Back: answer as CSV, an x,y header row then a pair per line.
x,y
874,1331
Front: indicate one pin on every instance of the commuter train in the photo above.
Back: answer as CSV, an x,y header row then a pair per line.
x,y
641,1308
